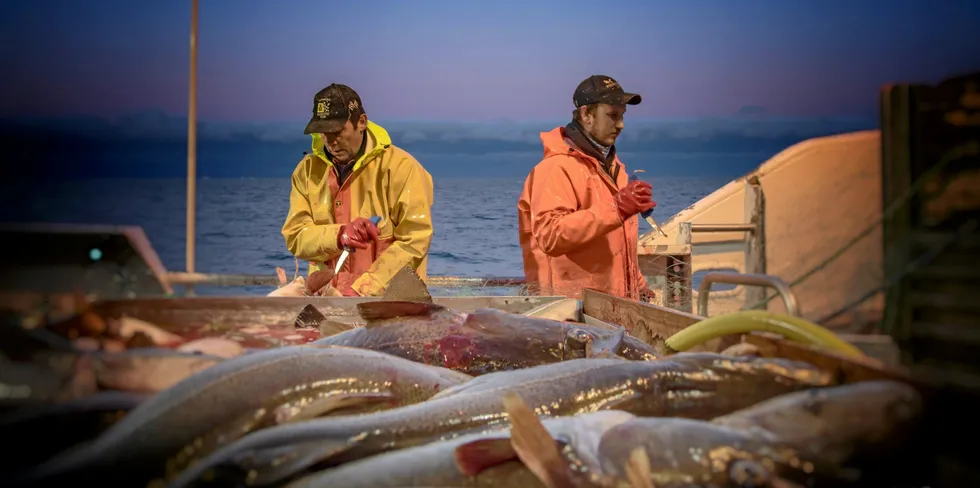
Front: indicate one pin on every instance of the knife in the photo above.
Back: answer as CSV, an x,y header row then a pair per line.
x,y
347,250
648,215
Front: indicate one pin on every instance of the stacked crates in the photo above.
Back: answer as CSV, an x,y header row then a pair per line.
x,y
931,188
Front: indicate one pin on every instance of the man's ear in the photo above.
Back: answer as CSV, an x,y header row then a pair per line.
x,y
362,122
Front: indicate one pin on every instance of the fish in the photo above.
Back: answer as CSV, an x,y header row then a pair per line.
x,y
311,317
32,384
220,404
481,342
489,455
743,448
214,346
295,288
61,426
838,421
149,370
693,385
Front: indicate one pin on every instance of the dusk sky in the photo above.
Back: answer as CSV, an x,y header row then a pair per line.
x,y
467,60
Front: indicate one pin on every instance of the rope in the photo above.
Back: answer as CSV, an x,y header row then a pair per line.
x,y
913,266
969,149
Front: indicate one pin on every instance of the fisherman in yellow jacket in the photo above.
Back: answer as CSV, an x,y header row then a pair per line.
x,y
355,173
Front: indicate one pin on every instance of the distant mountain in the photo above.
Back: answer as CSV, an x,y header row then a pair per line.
x,y
154,144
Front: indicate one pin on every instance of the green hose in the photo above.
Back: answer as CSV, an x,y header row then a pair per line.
x,y
793,328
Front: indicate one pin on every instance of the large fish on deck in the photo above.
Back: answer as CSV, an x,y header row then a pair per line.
x,y
699,386
240,395
480,342
808,438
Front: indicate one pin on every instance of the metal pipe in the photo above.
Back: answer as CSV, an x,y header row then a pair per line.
x,y
192,142
789,298
722,227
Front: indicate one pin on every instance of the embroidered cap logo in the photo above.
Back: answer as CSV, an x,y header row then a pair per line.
x,y
323,107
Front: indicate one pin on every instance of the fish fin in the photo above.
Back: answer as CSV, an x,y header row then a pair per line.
x,y
332,327
534,445
309,316
372,311
269,466
296,273
328,405
281,276
638,469
406,286
474,457
607,347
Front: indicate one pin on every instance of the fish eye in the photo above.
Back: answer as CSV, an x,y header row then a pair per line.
x,y
748,474
579,335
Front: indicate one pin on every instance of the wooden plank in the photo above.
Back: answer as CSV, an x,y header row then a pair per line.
x,y
180,313
847,369
755,242
647,322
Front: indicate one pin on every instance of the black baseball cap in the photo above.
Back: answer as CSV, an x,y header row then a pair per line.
x,y
332,108
602,89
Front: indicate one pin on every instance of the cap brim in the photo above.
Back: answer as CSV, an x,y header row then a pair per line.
x,y
621,99
320,126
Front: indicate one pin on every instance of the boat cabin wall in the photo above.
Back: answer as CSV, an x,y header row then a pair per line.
x,y
818,195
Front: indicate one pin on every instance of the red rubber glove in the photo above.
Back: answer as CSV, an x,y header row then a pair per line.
x,y
357,234
636,197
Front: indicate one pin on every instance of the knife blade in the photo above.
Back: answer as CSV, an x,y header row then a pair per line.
x,y
648,215
347,250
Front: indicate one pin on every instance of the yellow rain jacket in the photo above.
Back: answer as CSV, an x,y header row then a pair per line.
x,y
386,182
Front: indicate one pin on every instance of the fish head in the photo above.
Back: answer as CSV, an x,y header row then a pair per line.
x,y
591,342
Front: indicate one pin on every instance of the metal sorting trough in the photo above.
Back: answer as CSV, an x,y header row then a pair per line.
x,y
647,322
230,312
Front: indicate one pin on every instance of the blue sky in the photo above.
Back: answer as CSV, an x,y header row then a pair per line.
x,y
466,60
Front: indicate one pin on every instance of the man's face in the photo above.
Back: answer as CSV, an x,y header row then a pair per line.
x,y
343,145
605,123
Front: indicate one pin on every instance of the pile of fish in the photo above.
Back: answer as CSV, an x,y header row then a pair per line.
x,y
422,395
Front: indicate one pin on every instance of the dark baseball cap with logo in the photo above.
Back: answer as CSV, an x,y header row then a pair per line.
x,y
332,108
603,89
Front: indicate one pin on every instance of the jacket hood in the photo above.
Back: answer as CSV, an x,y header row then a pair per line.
x,y
377,133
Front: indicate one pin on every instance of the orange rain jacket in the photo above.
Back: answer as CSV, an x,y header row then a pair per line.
x,y
387,182
570,232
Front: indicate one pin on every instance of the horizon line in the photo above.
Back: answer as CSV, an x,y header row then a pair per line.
x,y
495,120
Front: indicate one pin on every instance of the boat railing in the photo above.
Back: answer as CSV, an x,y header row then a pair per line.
x,y
235,280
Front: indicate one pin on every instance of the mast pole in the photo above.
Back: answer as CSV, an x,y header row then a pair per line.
x,y
192,142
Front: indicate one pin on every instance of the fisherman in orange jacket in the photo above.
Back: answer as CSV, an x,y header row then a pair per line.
x,y
355,173
577,215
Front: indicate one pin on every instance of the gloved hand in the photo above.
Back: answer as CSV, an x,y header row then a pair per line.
x,y
634,198
357,234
